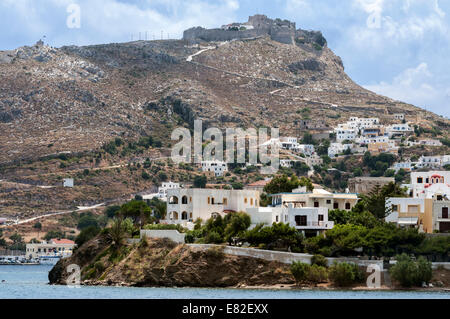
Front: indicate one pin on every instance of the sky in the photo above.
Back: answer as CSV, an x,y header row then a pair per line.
x,y
397,48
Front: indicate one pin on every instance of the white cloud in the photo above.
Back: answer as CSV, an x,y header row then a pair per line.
x,y
416,86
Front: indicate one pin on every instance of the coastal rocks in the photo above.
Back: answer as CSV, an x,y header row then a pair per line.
x,y
161,263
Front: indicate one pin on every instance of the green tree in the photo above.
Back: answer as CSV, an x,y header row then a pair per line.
x,y
236,224
86,234
111,211
138,211
200,181
346,274
411,273
282,184
300,271
87,221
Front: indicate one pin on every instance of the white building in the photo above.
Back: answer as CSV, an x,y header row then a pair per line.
x,y
217,167
307,149
162,190
68,182
398,130
52,248
407,166
345,134
313,160
290,144
187,204
287,163
425,184
338,148
308,220
433,161
399,116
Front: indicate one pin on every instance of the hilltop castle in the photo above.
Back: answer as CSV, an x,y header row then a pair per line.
x,y
282,31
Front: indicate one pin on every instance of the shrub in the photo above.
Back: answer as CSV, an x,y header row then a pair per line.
x,y
213,237
319,260
86,235
345,274
317,274
189,238
215,252
300,271
99,266
411,273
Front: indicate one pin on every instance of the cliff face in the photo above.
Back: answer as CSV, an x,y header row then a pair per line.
x,y
162,263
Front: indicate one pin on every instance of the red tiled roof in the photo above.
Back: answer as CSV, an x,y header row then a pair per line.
x,y
63,241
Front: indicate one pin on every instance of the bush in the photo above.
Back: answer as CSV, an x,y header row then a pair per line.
x,y
345,274
319,260
300,271
317,274
87,221
411,273
213,237
86,235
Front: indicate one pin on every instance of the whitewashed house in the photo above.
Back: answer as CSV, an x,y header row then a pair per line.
x,y
217,167
308,220
185,205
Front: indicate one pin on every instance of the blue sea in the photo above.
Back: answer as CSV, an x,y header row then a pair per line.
x,y
31,282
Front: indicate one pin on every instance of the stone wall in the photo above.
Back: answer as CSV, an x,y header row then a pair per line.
x,y
278,30
171,234
282,257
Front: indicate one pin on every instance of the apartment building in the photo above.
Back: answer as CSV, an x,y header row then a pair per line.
x,y
187,204
308,220
317,198
216,167
53,248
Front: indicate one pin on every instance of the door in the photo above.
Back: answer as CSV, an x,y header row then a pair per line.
x,y
444,212
444,227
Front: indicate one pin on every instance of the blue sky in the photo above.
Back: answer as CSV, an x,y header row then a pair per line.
x,y
398,48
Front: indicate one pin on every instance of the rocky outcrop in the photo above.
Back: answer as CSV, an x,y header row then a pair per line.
x,y
162,263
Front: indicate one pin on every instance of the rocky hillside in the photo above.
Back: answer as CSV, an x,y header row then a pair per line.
x,y
59,106
162,263
76,98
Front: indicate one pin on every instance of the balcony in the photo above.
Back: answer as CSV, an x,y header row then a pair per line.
x,y
315,225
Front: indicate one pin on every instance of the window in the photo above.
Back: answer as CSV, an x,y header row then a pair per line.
x,y
419,180
347,206
212,200
316,204
320,218
251,201
225,201
184,200
209,200
444,212
276,219
413,209
245,200
439,197
395,208
328,201
301,220
336,206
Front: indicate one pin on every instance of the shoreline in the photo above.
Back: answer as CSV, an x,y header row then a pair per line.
x,y
292,287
